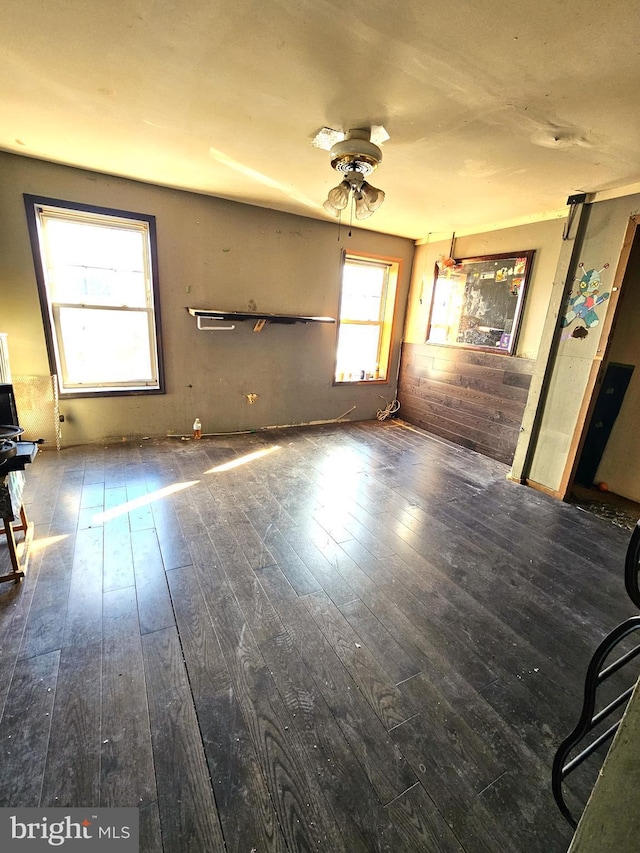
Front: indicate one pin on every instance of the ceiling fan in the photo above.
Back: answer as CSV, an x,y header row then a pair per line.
x,y
354,154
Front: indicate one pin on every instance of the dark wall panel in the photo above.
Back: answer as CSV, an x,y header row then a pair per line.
x,y
472,398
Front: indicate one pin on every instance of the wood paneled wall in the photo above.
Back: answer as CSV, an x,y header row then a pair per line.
x,y
470,397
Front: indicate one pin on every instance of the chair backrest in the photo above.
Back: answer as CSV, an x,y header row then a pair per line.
x,y
632,567
597,673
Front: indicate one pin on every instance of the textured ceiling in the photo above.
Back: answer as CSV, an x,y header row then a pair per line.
x,y
497,111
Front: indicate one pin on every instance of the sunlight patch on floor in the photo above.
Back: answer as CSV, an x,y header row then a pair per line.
x,y
45,542
143,500
243,460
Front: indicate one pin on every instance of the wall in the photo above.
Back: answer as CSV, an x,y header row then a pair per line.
x,y
620,464
471,397
212,254
602,243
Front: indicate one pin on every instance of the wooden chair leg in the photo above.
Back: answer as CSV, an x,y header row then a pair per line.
x,y
24,523
17,573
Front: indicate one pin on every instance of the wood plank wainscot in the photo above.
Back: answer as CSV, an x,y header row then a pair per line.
x,y
473,398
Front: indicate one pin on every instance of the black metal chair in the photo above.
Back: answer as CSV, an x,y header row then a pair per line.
x,y
632,567
597,673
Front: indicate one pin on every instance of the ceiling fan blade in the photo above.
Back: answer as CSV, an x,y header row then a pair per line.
x,y
378,134
327,137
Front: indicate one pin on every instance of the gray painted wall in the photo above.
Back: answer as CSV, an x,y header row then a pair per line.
x,y
212,253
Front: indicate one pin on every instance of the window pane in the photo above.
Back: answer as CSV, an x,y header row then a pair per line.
x,y
357,352
362,290
105,346
95,264
93,245
91,286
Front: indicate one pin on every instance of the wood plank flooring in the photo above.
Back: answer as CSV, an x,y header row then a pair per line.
x,y
356,638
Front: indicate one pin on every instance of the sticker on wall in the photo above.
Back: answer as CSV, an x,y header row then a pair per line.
x,y
583,304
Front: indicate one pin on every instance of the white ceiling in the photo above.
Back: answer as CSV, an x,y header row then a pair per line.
x,y
497,111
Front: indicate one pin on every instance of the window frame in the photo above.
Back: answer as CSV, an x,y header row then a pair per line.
x,y
50,310
386,318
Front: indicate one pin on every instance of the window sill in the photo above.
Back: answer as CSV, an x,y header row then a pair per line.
x,y
361,382
110,392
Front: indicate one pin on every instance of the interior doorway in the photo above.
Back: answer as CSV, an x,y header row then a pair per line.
x,y
606,467
605,413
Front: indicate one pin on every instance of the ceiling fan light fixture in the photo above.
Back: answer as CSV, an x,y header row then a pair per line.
x,y
355,157
355,152
362,209
334,211
373,197
339,196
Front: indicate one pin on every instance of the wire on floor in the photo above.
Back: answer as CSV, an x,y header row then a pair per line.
x,y
389,410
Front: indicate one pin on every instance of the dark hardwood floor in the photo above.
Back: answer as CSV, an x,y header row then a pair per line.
x,y
345,638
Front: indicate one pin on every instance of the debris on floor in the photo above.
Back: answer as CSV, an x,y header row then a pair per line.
x,y
611,507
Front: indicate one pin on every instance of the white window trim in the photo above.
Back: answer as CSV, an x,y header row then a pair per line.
x,y
41,210
385,320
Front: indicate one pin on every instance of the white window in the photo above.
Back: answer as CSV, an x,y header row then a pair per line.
x,y
95,271
366,318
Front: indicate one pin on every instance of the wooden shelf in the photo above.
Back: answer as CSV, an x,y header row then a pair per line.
x,y
259,318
